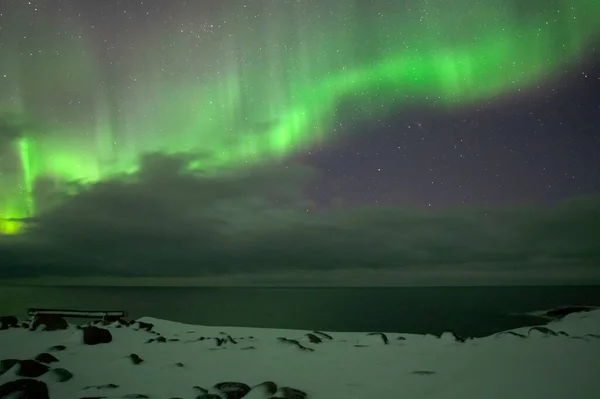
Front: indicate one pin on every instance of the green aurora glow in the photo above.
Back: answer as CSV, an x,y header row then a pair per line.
x,y
272,88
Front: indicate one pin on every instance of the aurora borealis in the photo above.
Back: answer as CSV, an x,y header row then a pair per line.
x,y
262,81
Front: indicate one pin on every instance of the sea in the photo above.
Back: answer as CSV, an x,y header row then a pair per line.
x,y
467,311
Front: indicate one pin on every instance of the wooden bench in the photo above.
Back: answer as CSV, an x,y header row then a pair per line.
x,y
108,315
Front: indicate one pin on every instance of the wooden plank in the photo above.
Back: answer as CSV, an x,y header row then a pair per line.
x,y
78,313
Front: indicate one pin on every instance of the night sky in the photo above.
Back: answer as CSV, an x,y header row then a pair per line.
x,y
244,138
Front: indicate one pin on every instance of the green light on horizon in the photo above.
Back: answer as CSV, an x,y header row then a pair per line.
x,y
286,97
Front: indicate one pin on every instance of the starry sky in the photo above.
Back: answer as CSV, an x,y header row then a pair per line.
x,y
445,139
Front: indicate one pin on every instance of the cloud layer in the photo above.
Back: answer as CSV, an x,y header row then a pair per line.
x,y
167,221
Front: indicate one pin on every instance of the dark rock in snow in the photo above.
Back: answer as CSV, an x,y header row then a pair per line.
x,y
295,343
233,390
49,322
230,339
25,325
313,338
96,335
323,335
61,375
384,337
513,333
123,322
8,322
144,326
136,396
135,359
423,372
107,386
160,339
24,388
543,330
7,364
31,368
452,336
46,358
57,348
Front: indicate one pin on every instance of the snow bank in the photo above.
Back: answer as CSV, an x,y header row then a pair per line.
x,y
154,358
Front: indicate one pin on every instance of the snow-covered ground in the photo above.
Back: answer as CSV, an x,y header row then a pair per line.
x,y
172,360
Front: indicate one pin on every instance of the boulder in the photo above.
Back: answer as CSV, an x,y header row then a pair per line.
x,y
144,326
8,322
46,358
31,368
135,359
7,364
96,335
232,390
24,388
61,375
49,322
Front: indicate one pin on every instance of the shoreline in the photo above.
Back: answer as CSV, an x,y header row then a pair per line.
x,y
150,358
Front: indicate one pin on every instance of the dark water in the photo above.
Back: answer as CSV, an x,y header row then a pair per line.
x,y
469,311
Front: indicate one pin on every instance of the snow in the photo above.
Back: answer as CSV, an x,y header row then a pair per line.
x,y
524,364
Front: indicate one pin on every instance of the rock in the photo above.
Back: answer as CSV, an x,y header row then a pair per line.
x,y
7,322
292,393
123,322
106,386
57,348
323,335
25,325
7,364
144,326
24,388
314,338
423,372
178,364
209,396
294,342
48,322
233,390
96,335
384,337
543,330
136,396
135,359
230,339
450,336
513,333
31,368
46,358
61,375
265,389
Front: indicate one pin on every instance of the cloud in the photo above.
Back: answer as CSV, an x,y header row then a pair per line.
x,y
168,221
